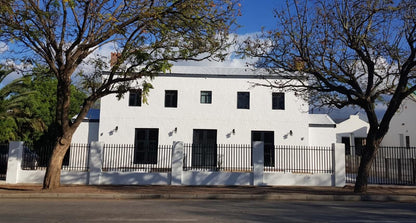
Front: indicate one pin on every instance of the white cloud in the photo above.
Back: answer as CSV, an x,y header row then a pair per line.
x,y
3,47
19,69
232,60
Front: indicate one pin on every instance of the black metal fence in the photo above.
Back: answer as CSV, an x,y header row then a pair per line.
x,y
128,158
37,158
392,165
300,159
4,156
221,157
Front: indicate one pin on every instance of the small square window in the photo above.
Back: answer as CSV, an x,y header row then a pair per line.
x,y
206,97
171,98
278,101
135,98
243,100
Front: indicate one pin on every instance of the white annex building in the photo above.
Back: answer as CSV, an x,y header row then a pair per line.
x,y
209,105
402,131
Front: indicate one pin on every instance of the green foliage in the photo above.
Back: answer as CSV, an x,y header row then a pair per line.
x,y
29,106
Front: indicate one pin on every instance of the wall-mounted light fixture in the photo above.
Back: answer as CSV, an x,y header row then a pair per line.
x,y
233,131
290,132
116,129
176,129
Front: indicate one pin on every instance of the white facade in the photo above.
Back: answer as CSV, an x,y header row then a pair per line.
x,y
322,130
353,133
402,130
87,131
353,127
118,120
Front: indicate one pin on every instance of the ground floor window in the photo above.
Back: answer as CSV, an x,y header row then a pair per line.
x,y
146,145
346,141
204,148
360,144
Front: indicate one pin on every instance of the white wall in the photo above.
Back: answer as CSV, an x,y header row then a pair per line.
x,y
87,132
321,136
403,124
353,126
190,114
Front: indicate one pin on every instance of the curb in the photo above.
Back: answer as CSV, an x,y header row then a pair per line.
x,y
273,197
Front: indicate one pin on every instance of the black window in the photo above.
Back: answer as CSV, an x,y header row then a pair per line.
x,y
360,144
243,100
278,101
171,98
204,148
346,141
146,143
135,98
206,97
407,141
267,137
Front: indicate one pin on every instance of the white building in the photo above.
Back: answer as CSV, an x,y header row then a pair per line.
x,y
87,131
322,130
402,130
206,105
352,132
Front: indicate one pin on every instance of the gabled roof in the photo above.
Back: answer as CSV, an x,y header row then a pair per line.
x,y
321,120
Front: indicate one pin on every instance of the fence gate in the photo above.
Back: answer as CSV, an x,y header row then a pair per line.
x,y
4,156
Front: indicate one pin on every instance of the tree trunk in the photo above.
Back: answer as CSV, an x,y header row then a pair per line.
x,y
365,167
52,178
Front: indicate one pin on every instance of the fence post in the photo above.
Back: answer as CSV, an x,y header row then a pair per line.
x,y
95,163
338,162
14,162
414,170
177,163
258,163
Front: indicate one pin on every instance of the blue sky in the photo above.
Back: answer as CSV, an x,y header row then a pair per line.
x,y
257,13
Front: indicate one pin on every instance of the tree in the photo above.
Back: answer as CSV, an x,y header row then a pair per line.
x,y
147,33
27,106
344,53
18,122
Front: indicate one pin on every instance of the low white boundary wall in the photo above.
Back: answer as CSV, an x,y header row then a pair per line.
x,y
259,177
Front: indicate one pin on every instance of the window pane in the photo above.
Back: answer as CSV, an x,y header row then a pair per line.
x,y
171,98
206,97
278,101
243,100
146,146
135,98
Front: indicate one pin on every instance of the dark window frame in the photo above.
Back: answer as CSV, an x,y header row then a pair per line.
x,y
206,97
407,141
135,98
146,147
278,101
360,144
204,148
268,138
347,142
171,98
243,100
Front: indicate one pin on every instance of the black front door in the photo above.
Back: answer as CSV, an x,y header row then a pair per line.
x,y
204,148
146,146
267,137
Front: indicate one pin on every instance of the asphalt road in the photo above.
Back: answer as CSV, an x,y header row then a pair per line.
x,y
54,210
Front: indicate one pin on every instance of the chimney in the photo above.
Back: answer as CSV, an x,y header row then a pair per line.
x,y
114,57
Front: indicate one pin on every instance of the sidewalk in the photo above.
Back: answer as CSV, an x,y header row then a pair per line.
x,y
375,193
